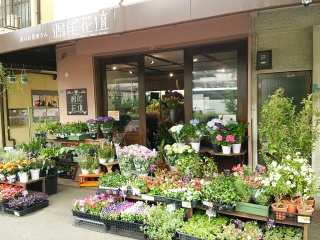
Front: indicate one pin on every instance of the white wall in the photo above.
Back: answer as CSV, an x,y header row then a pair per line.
x,y
81,7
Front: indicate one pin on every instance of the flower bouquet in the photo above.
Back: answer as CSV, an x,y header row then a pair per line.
x,y
177,133
135,159
173,152
173,99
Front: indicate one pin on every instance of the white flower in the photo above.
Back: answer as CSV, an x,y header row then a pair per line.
x,y
277,176
274,164
288,157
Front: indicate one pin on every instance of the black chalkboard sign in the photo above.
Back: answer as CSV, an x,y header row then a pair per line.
x,y
77,101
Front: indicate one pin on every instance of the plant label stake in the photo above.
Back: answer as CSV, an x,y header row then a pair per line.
x,y
211,213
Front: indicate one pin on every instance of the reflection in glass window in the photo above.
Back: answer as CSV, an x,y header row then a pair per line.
x,y
122,84
215,85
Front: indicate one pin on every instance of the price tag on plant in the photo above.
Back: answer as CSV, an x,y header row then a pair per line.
x,y
209,204
211,212
186,204
147,197
303,219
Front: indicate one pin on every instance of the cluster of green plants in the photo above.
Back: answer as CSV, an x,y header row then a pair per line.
x,y
221,190
112,179
89,162
200,225
285,131
34,146
162,223
106,151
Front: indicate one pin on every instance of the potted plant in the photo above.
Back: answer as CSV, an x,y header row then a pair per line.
x,y
24,76
283,131
194,131
94,166
106,152
212,130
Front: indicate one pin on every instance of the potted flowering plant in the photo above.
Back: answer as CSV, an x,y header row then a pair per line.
x,y
117,137
212,128
93,127
106,124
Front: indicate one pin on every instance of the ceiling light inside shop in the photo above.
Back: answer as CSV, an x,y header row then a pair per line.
x,y
114,68
195,59
171,74
222,70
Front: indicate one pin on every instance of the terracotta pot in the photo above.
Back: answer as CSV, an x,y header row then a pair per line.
x,y
307,210
279,209
292,207
310,202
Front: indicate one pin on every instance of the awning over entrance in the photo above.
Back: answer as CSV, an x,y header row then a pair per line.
x,y
39,59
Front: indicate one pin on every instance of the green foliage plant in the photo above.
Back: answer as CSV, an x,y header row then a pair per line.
x,y
283,131
112,179
161,223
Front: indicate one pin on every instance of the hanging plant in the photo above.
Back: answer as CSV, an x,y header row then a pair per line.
x,y
7,79
23,76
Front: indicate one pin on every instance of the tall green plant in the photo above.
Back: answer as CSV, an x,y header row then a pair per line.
x,y
284,132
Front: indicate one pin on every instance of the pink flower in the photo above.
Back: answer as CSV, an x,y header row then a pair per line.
x,y
230,138
219,138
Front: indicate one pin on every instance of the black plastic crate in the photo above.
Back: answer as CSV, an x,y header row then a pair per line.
x,y
223,207
159,198
51,184
65,175
293,217
68,159
183,236
127,229
84,215
90,225
108,191
28,210
177,202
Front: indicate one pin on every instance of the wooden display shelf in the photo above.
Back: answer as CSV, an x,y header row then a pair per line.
x,y
24,185
240,155
242,215
109,165
89,180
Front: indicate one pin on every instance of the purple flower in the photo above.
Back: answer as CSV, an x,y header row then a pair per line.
x,y
153,167
92,121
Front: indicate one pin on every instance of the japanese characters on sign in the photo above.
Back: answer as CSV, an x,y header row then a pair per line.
x,y
77,101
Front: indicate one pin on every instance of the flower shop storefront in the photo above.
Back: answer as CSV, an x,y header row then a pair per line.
x,y
161,89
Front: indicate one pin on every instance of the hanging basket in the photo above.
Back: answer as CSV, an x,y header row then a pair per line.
x,y
11,79
24,79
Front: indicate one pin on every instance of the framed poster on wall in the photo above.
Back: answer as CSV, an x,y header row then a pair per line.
x,y
77,101
45,105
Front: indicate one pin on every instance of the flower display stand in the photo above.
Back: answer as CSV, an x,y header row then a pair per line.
x,y
79,138
89,180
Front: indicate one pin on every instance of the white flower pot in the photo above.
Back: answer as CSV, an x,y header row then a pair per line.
x,y
2,177
111,160
195,146
35,174
85,171
102,160
226,149
23,177
11,178
95,171
236,147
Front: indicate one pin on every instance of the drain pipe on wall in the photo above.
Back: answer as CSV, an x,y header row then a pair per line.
x,y
3,133
8,121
